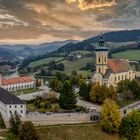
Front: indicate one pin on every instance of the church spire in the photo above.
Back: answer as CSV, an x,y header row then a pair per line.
x,y
101,40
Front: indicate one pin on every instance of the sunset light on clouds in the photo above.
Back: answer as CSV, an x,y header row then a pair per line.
x,y
35,21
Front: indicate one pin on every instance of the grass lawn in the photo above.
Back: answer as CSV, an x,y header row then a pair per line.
x,y
45,61
27,91
77,65
73,132
129,54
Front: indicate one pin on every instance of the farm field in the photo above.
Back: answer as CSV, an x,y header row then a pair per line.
x,y
45,61
129,54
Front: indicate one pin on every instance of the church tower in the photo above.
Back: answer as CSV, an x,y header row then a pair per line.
x,y
101,56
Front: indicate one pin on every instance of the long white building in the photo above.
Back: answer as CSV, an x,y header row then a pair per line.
x,y
9,103
18,83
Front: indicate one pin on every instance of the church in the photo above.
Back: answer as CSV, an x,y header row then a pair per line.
x,y
110,71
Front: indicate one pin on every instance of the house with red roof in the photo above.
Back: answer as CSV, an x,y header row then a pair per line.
x,y
18,83
110,71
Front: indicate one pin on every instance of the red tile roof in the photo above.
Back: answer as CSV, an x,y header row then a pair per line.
x,y
17,80
119,65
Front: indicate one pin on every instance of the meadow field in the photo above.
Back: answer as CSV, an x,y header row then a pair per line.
x,y
75,132
71,132
45,61
129,54
76,65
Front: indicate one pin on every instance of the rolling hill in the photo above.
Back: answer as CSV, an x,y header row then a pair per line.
x,y
125,36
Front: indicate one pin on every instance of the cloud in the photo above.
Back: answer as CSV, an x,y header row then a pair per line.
x,y
92,4
47,20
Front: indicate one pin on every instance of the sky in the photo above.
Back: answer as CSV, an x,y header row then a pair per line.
x,y
37,21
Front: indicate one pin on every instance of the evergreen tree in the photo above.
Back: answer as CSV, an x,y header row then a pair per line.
x,y
110,116
2,124
27,132
67,99
15,123
85,90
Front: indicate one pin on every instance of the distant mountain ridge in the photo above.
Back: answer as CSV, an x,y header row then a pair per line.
x,y
23,51
115,36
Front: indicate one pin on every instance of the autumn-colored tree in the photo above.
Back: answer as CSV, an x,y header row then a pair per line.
x,y
98,93
112,93
38,83
27,132
110,116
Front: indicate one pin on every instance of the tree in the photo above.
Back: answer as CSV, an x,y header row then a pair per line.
x,y
67,99
55,84
110,116
131,86
112,93
2,124
130,126
97,93
123,86
15,123
38,83
27,132
85,90
135,88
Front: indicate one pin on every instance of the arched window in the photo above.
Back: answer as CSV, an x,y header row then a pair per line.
x,y
99,60
105,60
99,70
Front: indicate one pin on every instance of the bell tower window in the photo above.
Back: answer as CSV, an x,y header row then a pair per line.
x,y
99,60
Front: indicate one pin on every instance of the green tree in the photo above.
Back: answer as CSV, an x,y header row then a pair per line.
x,y
15,123
67,99
123,86
135,88
2,124
110,116
56,85
85,90
27,132
130,126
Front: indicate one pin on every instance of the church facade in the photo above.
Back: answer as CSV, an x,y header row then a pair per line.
x,y
110,71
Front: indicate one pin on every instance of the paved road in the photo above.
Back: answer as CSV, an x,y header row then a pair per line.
x,y
86,104
129,108
30,96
